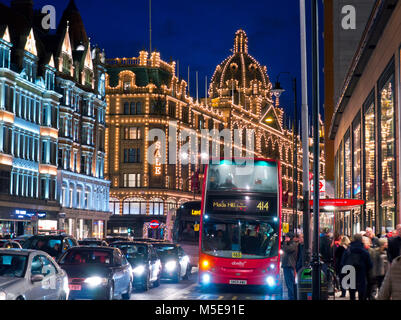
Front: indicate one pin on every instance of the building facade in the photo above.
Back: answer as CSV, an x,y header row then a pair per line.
x,y
80,79
365,126
29,107
53,96
144,93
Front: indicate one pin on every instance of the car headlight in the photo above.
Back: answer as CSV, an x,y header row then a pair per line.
x,y
139,270
171,265
185,259
3,295
95,281
65,285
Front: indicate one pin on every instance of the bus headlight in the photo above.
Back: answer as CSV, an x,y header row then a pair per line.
x,y
272,266
171,265
270,281
205,278
139,270
3,295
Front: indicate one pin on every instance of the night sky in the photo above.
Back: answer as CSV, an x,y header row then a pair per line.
x,y
197,33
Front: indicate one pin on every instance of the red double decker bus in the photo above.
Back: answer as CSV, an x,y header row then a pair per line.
x,y
240,228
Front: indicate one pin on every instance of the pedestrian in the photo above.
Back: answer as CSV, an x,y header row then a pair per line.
x,y
288,263
358,257
300,253
338,254
325,250
394,244
381,264
370,234
391,287
325,246
371,279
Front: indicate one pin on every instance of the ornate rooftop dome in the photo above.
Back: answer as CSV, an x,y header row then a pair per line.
x,y
243,69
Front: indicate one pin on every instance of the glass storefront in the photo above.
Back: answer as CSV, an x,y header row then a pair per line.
x,y
347,163
6,227
98,229
341,172
366,162
387,159
370,165
356,147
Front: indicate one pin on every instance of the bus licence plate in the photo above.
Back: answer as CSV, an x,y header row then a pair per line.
x,y
241,282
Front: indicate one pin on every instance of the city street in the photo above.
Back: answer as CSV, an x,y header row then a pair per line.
x,y
190,290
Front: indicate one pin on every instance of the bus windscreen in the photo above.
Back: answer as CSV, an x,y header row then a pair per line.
x,y
261,176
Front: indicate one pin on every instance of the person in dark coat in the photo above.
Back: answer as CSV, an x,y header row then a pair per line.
x,y
288,263
394,245
338,255
358,257
325,246
300,253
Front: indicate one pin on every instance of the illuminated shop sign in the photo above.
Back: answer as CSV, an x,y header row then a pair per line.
x,y
157,169
23,214
262,206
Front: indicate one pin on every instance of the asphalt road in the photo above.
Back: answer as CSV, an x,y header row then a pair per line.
x,y
190,290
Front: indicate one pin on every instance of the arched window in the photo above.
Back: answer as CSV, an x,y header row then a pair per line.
x,y
156,207
87,198
134,206
171,204
114,204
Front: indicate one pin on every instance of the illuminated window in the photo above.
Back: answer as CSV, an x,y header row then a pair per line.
x,y
387,160
132,133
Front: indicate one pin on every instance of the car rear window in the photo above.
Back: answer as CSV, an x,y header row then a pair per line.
x,y
87,257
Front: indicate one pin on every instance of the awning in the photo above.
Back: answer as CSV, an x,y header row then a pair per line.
x,y
338,204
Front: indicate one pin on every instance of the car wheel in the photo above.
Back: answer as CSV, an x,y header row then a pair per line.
x,y
127,295
177,276
110,295
146,285
187,273
63,296
156,283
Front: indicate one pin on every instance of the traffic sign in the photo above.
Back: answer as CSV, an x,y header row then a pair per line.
x,y
154,224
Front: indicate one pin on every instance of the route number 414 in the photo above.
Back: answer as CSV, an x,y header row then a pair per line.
x,y
263,206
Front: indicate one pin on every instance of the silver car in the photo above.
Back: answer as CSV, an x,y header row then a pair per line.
x,y
31,275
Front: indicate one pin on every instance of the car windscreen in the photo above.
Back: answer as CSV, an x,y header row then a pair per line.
x,y
12,265
87,256
50,245
133,251
166,251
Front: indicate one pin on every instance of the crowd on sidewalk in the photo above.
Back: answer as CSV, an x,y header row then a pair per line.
x,y
375,262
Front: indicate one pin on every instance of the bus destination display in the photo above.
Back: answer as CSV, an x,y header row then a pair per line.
x,y
265,206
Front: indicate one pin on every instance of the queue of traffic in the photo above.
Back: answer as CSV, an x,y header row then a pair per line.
x,y
58,267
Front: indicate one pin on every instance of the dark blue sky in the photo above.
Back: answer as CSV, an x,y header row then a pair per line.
x,y
197,33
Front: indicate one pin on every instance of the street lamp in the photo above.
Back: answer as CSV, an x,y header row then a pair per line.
x,y
277,92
